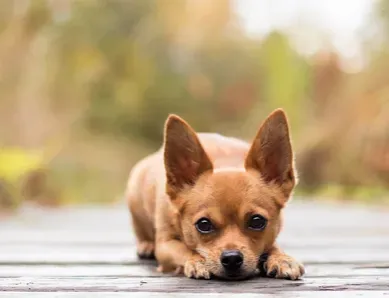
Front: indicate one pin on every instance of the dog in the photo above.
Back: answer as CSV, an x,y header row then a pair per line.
x,y
209,206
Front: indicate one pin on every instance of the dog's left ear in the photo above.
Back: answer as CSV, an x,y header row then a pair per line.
x,y
271,152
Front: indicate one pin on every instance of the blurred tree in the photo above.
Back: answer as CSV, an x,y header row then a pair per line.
x,y
326,78
98,79
285,80
137,61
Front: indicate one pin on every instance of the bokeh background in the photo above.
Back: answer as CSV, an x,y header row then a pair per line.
x,y
85,87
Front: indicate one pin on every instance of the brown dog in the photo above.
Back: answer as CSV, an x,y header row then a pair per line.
x,y
211,205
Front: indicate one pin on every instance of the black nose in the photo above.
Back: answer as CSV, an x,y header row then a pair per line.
x,y
231,259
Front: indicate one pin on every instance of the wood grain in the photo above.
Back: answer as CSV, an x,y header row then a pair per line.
x,y
90,249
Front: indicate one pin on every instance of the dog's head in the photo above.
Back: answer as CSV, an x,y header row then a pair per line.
x,y
230,217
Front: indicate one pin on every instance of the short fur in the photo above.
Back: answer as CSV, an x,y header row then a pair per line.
x,y
197,175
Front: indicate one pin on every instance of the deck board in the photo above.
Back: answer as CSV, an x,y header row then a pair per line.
x,y
90,249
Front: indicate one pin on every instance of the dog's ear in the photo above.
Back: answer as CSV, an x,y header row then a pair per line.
x,y
271,152
184,157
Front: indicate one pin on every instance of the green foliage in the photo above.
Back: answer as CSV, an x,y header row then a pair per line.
x,y
15,162
122,59
285,80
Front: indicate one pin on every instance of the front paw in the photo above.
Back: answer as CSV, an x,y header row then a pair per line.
x,y
195,268
145,250
283,266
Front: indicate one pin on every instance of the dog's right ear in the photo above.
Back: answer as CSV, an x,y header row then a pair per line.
x,y
184,156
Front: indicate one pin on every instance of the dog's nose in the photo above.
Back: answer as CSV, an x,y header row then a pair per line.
x,y
231,259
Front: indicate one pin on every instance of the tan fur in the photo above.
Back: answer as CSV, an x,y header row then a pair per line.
x,y
197,175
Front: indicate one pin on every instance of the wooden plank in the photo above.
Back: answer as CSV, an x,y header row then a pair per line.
x,y
184,285
91,249
305,294
42,254
93,238
299,216
149,270
305,224
126,238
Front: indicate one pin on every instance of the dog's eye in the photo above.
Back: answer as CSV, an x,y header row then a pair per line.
x,y
204,226
257,222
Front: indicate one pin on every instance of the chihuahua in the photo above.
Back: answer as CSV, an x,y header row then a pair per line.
x,y
207,205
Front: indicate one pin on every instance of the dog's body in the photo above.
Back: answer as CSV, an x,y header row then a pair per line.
x,y
211,205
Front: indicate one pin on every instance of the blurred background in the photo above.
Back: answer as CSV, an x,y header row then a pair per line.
x,y
85,87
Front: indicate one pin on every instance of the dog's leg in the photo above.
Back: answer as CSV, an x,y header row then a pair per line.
x,y
143,231
175,255
280,265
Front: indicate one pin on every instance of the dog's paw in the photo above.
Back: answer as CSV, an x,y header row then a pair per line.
x,y
195,268
283,266
145,250
169,269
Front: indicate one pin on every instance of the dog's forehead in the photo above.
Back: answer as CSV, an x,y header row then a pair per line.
x,y
231,189
225,182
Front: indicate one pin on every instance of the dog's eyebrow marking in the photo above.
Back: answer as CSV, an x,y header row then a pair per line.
x,y
201,208
229,169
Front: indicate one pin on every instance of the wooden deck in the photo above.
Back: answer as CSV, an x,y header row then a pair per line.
x,y
89,251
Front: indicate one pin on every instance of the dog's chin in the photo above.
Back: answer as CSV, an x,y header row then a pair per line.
x,y
241,275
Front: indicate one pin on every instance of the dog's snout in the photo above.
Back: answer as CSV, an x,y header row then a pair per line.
x,y
231,259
